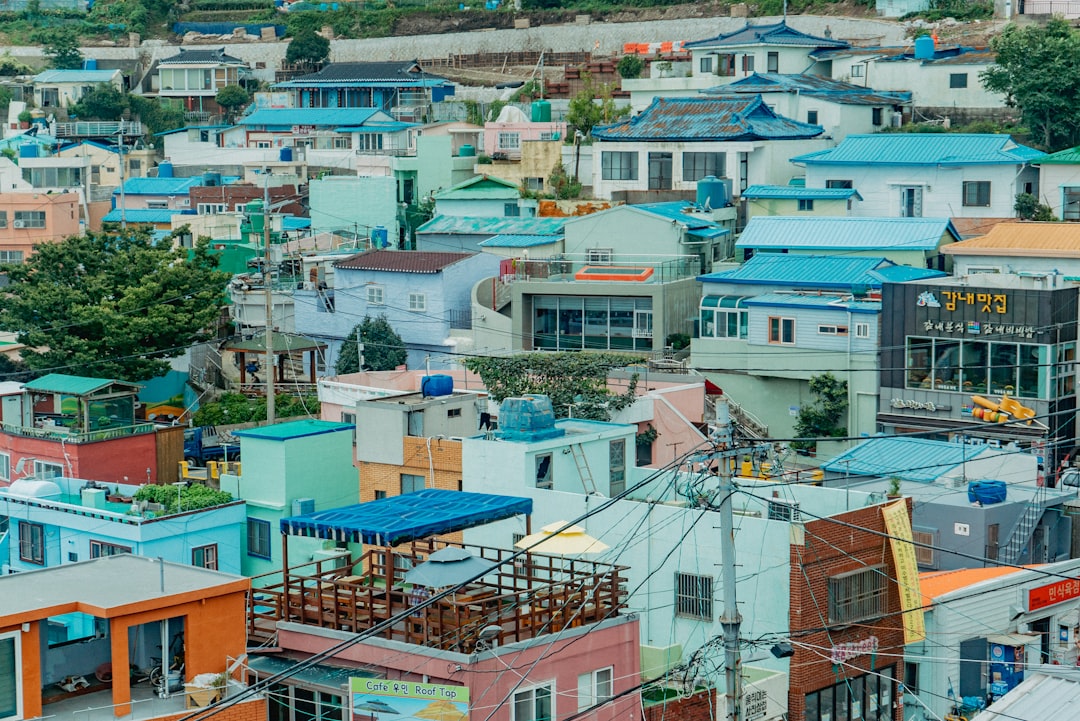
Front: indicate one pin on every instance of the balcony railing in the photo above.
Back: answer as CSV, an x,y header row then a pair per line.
x,y
99,129
67,435
628,269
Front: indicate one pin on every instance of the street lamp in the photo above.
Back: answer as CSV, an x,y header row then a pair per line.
x,y
179,499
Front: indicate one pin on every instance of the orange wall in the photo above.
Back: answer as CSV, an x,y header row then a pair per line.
x,y
61,219
31,668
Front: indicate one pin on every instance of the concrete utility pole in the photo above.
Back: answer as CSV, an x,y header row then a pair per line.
x,y
268,292
730,620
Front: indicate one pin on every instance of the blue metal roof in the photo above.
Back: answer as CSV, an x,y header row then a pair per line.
x,y
821,302
772,34
292,222
466,225
292,430
813,86
75,76
144,215
376,126
399,519
805,271
906,273
681,211
321,117
886,456
835,233
796,192
160,186
509,240
707,118
923,149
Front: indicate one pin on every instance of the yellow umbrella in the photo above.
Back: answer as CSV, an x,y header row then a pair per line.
x,y
572,541
441,711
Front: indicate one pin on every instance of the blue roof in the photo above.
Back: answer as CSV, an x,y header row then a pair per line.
x,y
843,272
907,273
707,118
821,302
771,34
796,192
321,117
399,519
292,222
923,149
292,430
391,127
144,215
682,212
509,240
835,233
75,76
466,225
160,186
884,456
813,86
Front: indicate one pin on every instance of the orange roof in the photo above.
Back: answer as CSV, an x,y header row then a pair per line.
x,y
1043,240
938,583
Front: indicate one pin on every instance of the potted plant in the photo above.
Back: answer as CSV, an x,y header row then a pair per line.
x,y
24,119
894,487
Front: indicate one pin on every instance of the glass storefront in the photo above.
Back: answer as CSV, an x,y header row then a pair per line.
x,y
1021,370
580,323
863,698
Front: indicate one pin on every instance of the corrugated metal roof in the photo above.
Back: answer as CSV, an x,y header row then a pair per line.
x,y
295,429
681,211
706,118
938,583
71,385
201,56
281,342
321,117
826,302
814,86
1039,697
1040,240
1069,156
75,76
923,149
509,240
829,233
887,456
160,186
481,187
375,126
402,261
143,215
383,73
906,273
795,192
465,225
803,271
772,34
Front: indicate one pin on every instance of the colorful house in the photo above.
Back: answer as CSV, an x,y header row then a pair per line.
x,y
195,75
402,89
796,200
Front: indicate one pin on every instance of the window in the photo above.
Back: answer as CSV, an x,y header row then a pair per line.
x,y
693,596
1070,202
723,322
643,324
453,413
846,184
101,549
29,219
977,193
773,62
616,467
258,538
32,542
509,141
45,470
621,165
543,472
875,116
858,71
511,210
211,208
536,184
342,142
11,676
262,143
911,202
781,330
533,704
806,204
782,510
3,218
911,678
832,330
549,135
297,703
705,65
862,330
205,557
594,688
748,64
599,256
868,697
957,80
812,116
411,483
5,467
696,166
375,294
380,495
11,256
858,595
157,204
418,302
134,164
924,554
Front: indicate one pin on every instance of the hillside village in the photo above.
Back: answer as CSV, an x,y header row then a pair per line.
x,y
725,377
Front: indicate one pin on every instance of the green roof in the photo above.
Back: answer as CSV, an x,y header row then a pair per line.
x,y
283,343
294,429
481,187
1069,156
72,385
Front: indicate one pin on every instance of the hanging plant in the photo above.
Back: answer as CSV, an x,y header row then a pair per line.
x,y
647,437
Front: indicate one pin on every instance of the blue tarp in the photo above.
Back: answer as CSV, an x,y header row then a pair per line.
x,y
225,28
399,519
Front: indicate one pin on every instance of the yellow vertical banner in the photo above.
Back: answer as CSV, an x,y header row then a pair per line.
x,y
907,569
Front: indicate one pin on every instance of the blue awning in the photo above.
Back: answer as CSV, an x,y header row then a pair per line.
x,y
399,519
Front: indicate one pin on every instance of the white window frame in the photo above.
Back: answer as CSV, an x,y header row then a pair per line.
x,y
211,208
209,554
16,639
29,551
590,687
376,295
862,330
5,466
643,323
599,256
694,596
101,549
547,480
41,468
418,302
30,218
529,695
829,329
858,70
509,140
12,257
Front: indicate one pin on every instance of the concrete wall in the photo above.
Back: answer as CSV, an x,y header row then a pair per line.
x,y
347,203
774,206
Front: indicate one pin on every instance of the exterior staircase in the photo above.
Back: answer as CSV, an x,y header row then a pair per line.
x,y
1018,541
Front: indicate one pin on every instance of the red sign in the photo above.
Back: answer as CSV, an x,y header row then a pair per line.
x,y
1048,595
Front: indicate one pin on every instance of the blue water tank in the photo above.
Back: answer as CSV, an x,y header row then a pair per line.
x,y
165,170
285,154
30,150
528,417
211,180
924,47
713,192
467,151
89,64
986,493
438,385
380,237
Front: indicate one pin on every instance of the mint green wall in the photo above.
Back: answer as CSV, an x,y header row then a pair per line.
x,y
342,203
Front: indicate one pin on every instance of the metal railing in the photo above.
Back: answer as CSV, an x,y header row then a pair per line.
x,y
61,433
87,128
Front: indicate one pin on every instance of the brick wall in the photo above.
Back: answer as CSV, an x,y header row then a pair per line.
x,y
699,707
831,549
253,710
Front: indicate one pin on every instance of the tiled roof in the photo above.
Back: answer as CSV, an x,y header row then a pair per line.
x,y
886,456
387,72
814,86
75,76
804,271
202,56
773,34
509,240
1040,240
321,117
480,187
795,192
832,233
707,118
923,149
401,261
466,225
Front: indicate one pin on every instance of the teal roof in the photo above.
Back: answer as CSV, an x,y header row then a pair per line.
x,y
321,117
508,240
798,192
923,149
827,272
466,225
70,385
75,76
160,186
821,302
1069,156
143,215
886,456
682,212
481,187
839,233
294,429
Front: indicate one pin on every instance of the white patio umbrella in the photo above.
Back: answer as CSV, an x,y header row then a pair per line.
x,y
572,541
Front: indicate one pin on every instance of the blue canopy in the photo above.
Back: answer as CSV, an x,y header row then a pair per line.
x,y
399,519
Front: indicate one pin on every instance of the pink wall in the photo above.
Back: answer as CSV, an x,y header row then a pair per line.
x,y
61,219
105,461
528,131
576,651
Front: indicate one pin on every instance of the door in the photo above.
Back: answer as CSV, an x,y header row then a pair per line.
x,y
659,171
973,655
911,202
1042,627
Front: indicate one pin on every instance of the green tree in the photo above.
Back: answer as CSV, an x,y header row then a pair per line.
x,y
61,47
232,98
110,306
103,102
571,380
307,46
594,106
826,415
238,408
630,67
1037,68
1028,207
562,185
383,348
156,115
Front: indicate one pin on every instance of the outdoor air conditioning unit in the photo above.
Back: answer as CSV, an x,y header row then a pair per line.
x,y
303,506
19,224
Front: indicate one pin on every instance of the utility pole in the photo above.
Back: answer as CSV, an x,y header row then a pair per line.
x,y
123,203
730,620
268,292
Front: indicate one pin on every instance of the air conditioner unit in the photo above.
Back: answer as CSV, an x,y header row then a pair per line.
x,y
334,557
19,224
303,506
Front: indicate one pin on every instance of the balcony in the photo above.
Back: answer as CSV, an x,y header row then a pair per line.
x,y
98,129
52,429
604,267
